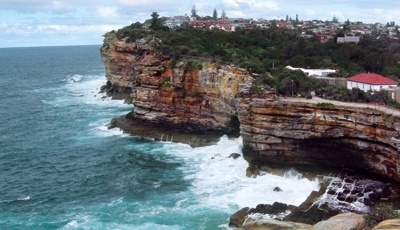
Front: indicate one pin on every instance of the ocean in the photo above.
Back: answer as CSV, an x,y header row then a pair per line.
x,y
61,168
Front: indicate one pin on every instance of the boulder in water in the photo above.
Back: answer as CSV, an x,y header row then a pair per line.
x,y
252,171
234,155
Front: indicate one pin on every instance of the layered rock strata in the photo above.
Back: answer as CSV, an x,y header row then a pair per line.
x,y
188,97
291,132
205,97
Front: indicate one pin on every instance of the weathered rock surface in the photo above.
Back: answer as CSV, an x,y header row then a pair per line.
x,y
343,221
218,98
393,224
178,98
298,133
269,224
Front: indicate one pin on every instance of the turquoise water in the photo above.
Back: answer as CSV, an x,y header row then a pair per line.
x,y
60,168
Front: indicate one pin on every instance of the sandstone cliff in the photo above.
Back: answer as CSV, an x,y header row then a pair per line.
x,y
207,98
187,97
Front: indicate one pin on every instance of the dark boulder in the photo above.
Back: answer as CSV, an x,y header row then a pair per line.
x,y
234,155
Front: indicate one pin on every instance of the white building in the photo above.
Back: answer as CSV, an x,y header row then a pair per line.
x,y
314,72
347,39
370,81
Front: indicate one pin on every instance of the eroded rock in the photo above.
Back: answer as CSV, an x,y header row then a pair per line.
x,y
269,224
343,221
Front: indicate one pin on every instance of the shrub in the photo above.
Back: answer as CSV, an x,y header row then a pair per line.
x,y
256,89
325,105
379,213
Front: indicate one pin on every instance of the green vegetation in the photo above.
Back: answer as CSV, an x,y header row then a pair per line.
x,y
325,105
265,50
256,89
379,213
268,51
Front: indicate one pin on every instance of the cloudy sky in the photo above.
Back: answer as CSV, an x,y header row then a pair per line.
x,y
81,22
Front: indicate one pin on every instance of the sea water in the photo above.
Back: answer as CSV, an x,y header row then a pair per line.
x,y
61,168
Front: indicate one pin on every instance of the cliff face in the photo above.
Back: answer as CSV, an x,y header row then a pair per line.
x,y
294,132
275,131
190,97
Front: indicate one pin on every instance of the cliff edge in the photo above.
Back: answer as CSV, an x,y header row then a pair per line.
x,y
197,96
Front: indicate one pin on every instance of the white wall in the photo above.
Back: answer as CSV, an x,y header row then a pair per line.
x,y
365,87
314,72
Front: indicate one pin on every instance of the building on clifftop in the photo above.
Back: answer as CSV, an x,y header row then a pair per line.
x,y
370,81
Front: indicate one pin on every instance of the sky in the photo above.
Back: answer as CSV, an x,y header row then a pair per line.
x,y
26,23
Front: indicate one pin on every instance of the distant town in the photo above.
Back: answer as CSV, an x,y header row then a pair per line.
x,y
323,30
367,61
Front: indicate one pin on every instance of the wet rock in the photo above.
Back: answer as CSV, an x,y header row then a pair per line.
x,y
234,155
252,171
277,208
309,216
375,196
368,202
266,224
341,222
112,124
238,218
263,208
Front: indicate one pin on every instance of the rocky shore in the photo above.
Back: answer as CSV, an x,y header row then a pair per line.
x,y
197,101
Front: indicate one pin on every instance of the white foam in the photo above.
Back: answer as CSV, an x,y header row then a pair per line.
x,y
100,128
339,185
85,90
221,182
24,198
74,78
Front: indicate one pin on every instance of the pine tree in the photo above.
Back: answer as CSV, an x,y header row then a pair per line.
x,y
194,13
335,19
223,15
156,23
215,14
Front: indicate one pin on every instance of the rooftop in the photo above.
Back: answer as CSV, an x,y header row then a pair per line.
x,y
373,79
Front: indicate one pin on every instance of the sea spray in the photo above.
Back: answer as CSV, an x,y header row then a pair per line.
x,y
220,181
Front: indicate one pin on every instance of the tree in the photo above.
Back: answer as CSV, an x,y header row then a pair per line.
x,y
155,23
223,15
194,12
335,19
215,14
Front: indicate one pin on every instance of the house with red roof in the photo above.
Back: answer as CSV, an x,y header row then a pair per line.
x,y
370,81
